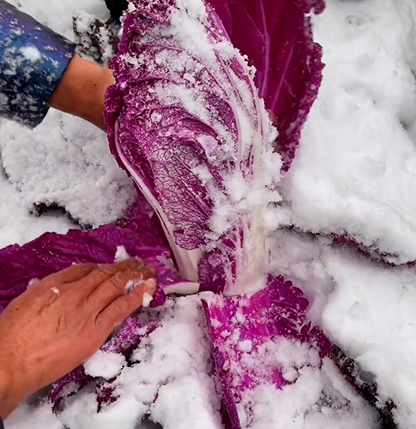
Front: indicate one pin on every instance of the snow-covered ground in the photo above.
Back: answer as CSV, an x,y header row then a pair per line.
x,y
354,173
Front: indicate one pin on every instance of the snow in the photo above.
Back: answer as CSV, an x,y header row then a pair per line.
x,y
172,363
378,327
357,154
354,173
121,254
301,405
71,168
31,52
104,364
147,299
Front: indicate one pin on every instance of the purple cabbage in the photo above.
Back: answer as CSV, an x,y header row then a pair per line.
x,y
186,121
182,159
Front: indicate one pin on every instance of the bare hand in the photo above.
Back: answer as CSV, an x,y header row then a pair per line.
x,y
60,322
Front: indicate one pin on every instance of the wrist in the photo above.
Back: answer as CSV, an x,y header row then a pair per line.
x,y
14,387
82,89
7,401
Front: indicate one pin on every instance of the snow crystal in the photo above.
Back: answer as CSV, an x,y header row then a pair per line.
x,y
33,282
132,284
245,346
104,364
121,254
147,299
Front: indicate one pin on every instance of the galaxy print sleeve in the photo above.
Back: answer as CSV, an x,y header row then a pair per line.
x,y
33,59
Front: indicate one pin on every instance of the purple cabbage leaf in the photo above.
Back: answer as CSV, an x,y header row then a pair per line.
x,y
140,237
246,332
278,40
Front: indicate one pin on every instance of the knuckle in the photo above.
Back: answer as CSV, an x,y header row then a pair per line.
x,y
87,268
124,266
148,272
121,306
69,274
107,270
128,264
119,280
76,269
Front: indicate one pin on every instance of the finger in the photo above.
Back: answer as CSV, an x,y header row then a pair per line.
x,y
117,286
71,274
85,286
122,307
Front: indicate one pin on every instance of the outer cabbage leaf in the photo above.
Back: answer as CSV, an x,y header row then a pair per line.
x,y
53,252
140,235
247,333
278,40
244,332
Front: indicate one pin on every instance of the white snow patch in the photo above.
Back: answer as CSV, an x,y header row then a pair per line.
x,y
104,364
147,299
121,254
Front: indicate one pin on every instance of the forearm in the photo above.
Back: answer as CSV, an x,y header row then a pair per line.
x,y
10,396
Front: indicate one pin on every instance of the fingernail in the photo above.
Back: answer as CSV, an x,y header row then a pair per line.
x,y
150,285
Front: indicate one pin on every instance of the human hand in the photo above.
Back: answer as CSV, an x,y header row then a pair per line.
x,y
60,322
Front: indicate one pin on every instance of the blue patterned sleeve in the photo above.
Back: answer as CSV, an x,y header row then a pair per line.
x,y
33,59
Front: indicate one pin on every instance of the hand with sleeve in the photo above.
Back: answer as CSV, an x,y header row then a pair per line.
x,y
39,69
